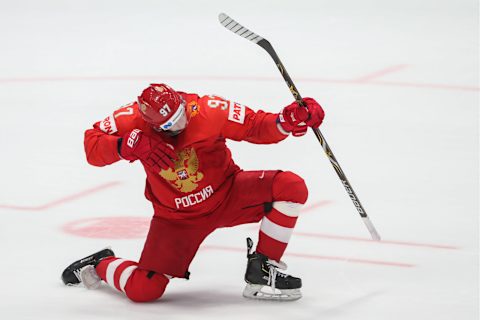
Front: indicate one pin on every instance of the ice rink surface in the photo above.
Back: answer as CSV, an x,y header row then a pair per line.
x,y
399,83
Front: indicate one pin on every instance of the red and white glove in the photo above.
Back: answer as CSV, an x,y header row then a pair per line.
x,y
153,153
296,119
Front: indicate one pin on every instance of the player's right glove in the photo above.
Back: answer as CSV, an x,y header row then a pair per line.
x,y
296,119
153,153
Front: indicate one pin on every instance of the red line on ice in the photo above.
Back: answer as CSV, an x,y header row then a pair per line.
x,y
316,205
425,85
319,257
62,200
380,73
360,239
402,243
357,81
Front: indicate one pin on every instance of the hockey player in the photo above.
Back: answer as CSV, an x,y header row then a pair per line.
x,y
195,188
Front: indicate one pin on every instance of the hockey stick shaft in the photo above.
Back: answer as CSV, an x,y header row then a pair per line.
x,y
240,30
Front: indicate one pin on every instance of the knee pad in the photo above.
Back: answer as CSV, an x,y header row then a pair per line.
x,y
287,186
145,286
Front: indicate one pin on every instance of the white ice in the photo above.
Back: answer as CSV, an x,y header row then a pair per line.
x,y
399,83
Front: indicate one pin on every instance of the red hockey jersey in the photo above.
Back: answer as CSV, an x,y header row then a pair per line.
x,y
203,173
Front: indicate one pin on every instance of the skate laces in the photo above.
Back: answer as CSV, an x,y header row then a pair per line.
x,y
272,266
273,272
90,278
277,264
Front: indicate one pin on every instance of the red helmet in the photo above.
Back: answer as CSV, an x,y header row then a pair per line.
x,y
161,106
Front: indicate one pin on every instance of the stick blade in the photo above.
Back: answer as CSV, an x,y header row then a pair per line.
x,y
237,28
371,229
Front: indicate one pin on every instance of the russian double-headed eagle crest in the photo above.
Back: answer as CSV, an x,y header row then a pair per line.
x,y
185,175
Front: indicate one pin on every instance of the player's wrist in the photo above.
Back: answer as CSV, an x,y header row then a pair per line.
x,y
119,148
129,143
283,126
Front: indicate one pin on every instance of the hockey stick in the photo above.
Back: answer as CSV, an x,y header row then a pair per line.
x,y
237,28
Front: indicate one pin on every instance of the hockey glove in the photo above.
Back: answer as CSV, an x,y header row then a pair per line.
x,y
296,119
153,153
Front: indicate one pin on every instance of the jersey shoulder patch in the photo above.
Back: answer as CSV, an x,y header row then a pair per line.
x,y
236,112
108,125
233,111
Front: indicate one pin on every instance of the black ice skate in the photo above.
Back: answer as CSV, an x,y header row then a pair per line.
x,y
265,282
83,270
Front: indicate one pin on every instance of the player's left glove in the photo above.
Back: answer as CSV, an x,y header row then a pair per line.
x,y
152,152
297,119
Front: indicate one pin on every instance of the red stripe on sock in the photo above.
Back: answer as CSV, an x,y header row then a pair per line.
x,y
119,271
270,247
101,268
282,220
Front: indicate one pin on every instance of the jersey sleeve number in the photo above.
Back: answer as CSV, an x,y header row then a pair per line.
x,y
215,103
128,112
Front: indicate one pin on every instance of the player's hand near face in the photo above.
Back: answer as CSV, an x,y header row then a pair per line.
x,y
154,153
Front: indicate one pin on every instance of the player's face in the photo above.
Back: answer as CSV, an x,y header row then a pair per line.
x,y
179,126
176,124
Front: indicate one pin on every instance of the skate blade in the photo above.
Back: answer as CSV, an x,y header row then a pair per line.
x,y
260,292
72,284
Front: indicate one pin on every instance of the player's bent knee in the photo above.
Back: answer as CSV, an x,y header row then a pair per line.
x,y
288,186
145,286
